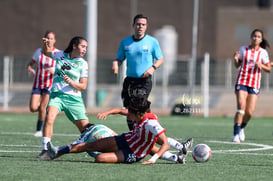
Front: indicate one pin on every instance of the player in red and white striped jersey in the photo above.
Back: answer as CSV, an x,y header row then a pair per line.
x,y
42,81
252,60
129,147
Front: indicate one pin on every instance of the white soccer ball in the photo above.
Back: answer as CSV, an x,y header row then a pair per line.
x,y
201,153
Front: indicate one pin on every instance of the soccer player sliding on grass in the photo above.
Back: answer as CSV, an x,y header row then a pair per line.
x,y
181,147
128,147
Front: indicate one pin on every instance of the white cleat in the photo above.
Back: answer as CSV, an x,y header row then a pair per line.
x,y
236,139
242,135
38,134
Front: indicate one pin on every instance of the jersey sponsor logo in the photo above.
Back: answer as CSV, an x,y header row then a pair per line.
x,y
65,66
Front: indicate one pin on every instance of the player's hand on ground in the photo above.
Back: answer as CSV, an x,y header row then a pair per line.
x,y
147,162
102,116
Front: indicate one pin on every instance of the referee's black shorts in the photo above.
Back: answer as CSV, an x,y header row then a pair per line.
x,y
137,87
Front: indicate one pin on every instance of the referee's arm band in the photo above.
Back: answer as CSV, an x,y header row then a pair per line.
x,y
154,67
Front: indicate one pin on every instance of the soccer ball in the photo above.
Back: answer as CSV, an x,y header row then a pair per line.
x,y
201,153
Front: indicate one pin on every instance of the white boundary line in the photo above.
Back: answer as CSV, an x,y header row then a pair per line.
x,y
261,147
18,151
28,133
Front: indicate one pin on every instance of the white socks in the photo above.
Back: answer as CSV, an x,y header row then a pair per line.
x,y
45,140
175,144
169,156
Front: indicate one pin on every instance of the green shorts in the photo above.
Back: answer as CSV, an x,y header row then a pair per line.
x,y
95,132
72,106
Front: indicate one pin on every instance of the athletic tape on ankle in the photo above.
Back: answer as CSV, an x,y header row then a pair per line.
x,y
154,158
241,111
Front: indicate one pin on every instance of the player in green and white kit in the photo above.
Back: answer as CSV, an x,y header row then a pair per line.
x,y
94,132
70,78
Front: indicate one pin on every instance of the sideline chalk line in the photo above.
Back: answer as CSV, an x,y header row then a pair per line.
x,y
246,151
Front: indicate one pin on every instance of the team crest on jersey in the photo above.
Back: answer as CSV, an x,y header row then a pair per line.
x,y
76,65
145,48
126,48
47,62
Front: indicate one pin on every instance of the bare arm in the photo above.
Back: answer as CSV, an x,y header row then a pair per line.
x,y
121,111
266,68
115,66
164,147
81,85
29,67
236,60
155,66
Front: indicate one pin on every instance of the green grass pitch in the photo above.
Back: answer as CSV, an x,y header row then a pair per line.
x,y
251,160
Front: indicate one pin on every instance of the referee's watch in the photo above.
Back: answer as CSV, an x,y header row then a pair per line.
x,y
154,67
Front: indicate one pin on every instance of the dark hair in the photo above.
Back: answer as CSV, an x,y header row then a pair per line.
x,y
264,42
138,16
48,32
139,104
74,41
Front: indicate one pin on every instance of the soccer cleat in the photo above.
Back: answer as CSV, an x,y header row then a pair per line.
x,y
181,158
242,135
38,134
52,152
186,146
43,155
236,139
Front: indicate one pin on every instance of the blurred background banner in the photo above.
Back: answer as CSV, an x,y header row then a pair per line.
x,y
223,26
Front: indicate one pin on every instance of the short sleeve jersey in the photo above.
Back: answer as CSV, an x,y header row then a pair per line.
x,y
144,135
249,74
75,69
140,54
43,78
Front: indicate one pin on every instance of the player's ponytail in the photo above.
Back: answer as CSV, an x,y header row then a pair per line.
x,y
264,44
74,41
